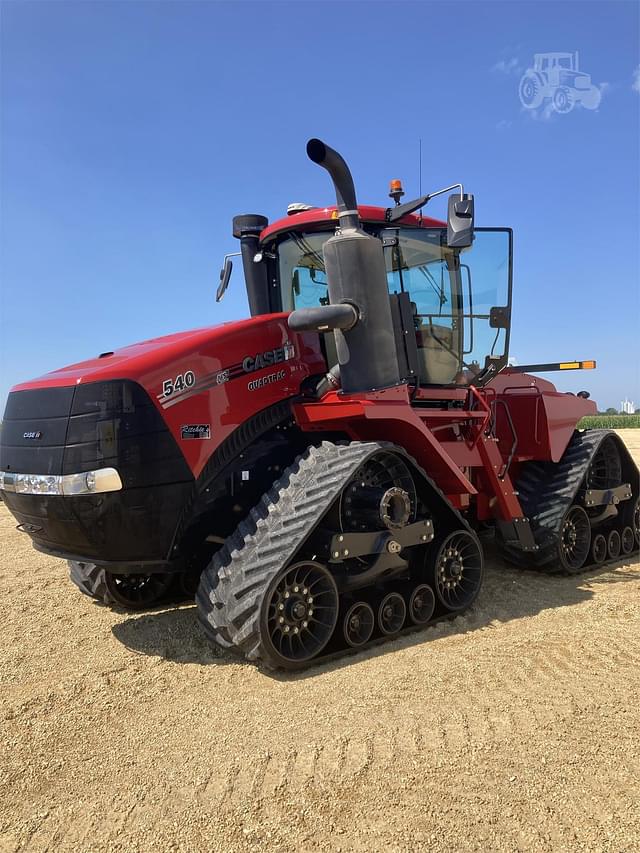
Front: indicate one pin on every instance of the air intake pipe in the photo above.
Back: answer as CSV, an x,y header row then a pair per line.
x,y
247,228
356,276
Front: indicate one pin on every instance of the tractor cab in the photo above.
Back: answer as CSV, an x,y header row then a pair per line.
x,y
546,62
454,302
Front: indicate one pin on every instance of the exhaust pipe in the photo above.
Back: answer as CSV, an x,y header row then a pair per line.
x,y
357,278
334,163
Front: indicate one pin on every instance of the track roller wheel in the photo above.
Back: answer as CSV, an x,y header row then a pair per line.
x,y
614,545
422,603
188,581
458,568
599,549
391,613
627,540
299,614
574,540
635,521
138,591
358,624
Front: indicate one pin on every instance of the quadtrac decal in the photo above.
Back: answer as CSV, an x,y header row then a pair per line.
x,y
189,432
185,385
269,379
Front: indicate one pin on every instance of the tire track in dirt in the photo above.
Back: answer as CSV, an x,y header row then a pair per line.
x,y
511,727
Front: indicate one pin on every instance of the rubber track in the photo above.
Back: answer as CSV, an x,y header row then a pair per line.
x,y
233,586
90,580
547,490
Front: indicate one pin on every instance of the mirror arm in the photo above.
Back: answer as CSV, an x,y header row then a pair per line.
x,y
392,214
225,275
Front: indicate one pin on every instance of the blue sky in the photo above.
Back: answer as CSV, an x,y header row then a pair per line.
x,y
132,132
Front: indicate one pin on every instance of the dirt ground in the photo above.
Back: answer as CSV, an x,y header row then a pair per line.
x,y
515,727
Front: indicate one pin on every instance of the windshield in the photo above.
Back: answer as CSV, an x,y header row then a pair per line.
x,y
303,281
460,298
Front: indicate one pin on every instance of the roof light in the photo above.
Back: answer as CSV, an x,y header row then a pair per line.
x,y
395,190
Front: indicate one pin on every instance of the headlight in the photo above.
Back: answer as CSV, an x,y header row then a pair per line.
x,y
87,483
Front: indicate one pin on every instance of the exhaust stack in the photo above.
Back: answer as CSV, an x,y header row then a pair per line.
x,y
356,276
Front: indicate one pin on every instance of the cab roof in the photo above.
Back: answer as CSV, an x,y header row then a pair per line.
x,y
324,216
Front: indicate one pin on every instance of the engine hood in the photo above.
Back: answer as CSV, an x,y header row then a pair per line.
x,y
203,384
135,361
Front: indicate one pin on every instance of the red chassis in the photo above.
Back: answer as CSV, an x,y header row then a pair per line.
x,y
454,445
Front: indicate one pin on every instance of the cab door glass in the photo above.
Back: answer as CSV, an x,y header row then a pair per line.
x,y
485,286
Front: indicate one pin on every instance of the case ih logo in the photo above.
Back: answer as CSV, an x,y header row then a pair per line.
x,y
185,386
33,435
268,358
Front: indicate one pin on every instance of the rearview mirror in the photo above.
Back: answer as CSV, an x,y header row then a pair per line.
x,y
460,221
225,275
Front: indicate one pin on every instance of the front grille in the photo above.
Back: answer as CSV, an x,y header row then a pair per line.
x,y
87,427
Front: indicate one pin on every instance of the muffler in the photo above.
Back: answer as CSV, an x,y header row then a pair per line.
x,y
356,277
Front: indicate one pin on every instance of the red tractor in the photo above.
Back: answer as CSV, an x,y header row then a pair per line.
x,y
322,474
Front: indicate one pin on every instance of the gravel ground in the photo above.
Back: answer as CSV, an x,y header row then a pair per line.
x,y
515,727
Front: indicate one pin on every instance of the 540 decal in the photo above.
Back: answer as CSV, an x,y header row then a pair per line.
x,y
182,381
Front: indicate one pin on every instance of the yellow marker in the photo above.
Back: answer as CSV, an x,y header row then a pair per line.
x,y
569,365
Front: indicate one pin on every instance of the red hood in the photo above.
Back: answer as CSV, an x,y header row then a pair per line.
x,y
135,361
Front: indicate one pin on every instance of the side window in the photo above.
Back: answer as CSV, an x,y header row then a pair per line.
x,y
303,281
420,264
461,299
485,269
417,264
310,288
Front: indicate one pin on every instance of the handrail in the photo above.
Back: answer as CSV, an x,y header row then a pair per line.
x,y
473,391
514,445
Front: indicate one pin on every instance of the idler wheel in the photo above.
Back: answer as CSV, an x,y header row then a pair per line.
x,y
299,613
457,567
575,539
137,591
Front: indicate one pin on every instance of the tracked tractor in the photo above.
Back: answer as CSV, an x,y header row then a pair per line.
x,y
322,475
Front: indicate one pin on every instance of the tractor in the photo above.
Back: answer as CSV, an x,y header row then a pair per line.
x,y
556,77
324,474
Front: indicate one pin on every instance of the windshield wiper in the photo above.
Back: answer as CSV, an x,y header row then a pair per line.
x,y
308,250
438,289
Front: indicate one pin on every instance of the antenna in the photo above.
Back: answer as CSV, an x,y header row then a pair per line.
x,y
420,170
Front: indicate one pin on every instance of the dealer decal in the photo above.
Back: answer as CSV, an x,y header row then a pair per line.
x,y
191,431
